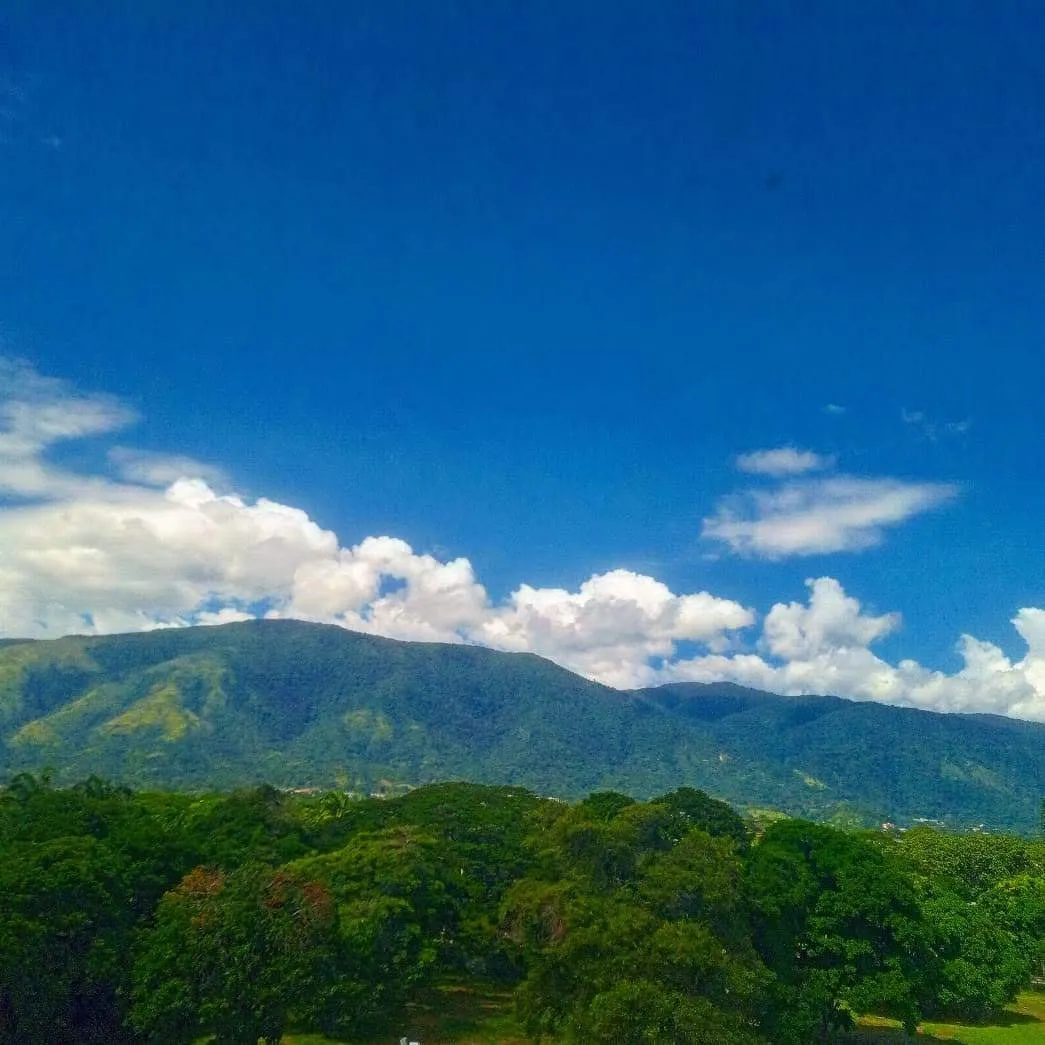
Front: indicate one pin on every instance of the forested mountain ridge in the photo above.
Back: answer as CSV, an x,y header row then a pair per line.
x,y
297,704
906,762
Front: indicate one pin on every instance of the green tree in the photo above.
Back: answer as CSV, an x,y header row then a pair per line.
x,y
401,902
839,922
633,929
709,814
65,923
645,1012
969,863
237,954
981,963
984,902
604,805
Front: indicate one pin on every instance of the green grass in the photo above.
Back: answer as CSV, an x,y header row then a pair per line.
x,y
1022,1023
454,1014
464,1015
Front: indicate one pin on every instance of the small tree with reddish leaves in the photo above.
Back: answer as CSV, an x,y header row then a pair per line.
x,y
238,955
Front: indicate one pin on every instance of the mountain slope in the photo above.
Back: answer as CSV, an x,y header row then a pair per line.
x,y
295,703
902,762
302,704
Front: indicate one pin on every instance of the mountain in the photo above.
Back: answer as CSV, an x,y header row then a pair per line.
x,y
902,763
298,704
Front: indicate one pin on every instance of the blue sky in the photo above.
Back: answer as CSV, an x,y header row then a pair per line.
x,y
519,283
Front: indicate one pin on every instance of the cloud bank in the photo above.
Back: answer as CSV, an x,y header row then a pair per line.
x,y
158,544
822,646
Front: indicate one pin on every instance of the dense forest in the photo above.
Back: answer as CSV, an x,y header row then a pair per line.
x,y
296,704
170,917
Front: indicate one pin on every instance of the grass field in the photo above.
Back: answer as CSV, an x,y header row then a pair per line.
x,y
457,1015
1022,1023
452,1015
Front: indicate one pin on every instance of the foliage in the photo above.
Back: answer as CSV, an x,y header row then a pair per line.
x,y
399,903
985,903
151,916
839,922
65,915
697,809
307,705
632,930
238,954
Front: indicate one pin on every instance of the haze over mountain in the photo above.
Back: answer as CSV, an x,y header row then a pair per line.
x,y
298,704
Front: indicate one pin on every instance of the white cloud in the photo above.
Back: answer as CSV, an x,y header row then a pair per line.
x,y
784,460
36,412
832,620
807,515
429,599
94,554
817,516
154,469
834,409
823,647
613,626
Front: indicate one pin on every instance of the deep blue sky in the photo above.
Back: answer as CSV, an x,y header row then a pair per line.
x,y
517,281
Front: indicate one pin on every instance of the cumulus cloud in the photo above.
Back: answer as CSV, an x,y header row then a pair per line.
x,y
823,647
160,546
383,586
840,513
784,460
613,626
832,620
154,548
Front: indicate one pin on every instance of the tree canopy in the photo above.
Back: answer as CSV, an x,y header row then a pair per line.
x,y
161,917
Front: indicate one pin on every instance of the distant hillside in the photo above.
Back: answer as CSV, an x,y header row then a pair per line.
x,y
900,762
300,704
